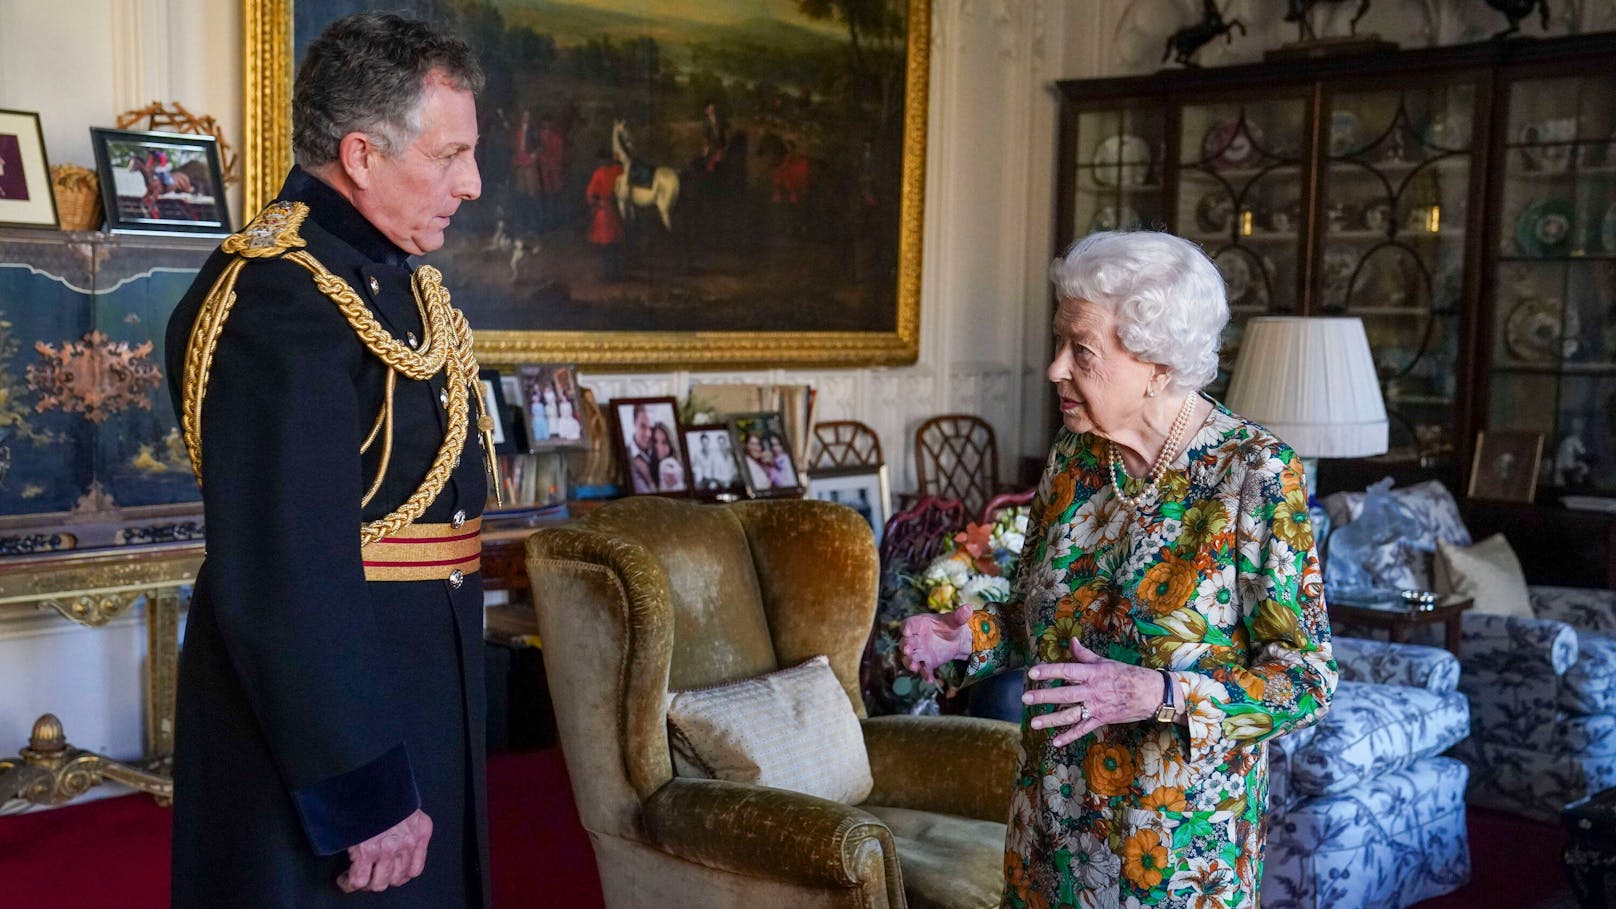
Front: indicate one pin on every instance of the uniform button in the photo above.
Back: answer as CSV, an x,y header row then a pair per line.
x,y
443,397
375,285
458,519
411,339
456,579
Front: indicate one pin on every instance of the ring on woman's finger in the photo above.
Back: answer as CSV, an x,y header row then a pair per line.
x,y
1082,712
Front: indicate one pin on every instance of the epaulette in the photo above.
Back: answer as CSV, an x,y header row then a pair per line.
x,y
270,234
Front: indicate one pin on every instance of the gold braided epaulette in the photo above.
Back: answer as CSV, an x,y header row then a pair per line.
x,y
446,347
273,232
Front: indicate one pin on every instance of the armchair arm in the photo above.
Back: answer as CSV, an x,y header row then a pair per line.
x,y
1362,660
1497,645
948,764
1585,609
776,834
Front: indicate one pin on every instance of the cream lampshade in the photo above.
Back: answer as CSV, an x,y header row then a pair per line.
x,y
1312,382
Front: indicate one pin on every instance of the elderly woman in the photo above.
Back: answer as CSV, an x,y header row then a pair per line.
x,y
1168,602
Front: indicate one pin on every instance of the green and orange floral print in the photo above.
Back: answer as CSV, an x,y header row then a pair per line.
x,y
1215,577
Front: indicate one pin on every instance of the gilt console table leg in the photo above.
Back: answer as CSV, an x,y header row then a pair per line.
x,y
162,670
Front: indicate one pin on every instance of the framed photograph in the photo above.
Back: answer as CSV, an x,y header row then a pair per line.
x,y
782,148
494,402
767,467
649,446
1505,466
165,183
549,397
862,489
26,199
714,470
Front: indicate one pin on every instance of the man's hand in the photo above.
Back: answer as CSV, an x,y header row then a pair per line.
x,y
391,858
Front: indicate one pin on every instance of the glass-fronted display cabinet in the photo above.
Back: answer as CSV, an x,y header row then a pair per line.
x,y
1552,349
1459,200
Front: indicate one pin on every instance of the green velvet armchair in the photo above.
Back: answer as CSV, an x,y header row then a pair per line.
x,y
648,595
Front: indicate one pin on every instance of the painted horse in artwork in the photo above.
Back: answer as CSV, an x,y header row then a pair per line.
x,y
642,185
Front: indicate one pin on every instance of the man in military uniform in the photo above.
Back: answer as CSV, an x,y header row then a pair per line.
x,y
330,719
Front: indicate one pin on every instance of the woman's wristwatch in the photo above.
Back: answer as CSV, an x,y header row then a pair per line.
x,y
1168,710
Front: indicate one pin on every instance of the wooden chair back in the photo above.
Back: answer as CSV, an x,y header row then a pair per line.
x,y
842,444
957,457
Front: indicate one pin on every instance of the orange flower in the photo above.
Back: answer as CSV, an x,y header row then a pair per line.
x,y
1167,798
1167,585
1062,488
976,541
1015,874
1108,768
1251,683
1144,859
1067,607
984,630
1291,477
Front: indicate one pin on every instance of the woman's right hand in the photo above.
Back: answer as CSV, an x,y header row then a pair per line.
x,y
930,640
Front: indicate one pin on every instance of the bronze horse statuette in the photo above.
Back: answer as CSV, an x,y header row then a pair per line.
x,y
1298,11
1516,10
1184,43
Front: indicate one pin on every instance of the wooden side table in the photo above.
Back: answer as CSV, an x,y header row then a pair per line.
x,y
1400,620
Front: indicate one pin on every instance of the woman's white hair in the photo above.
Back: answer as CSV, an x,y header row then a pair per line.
x,y
1167,296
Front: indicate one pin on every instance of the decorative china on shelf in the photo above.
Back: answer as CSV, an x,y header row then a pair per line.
x,y
1247,287
1215,212
1544,227
1449,131
1540,330
1122,161
1112,217
1377,216
1233,143
1546,144
1337,273
1346,133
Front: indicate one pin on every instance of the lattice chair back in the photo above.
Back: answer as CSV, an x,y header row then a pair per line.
x,y
957,457
840,444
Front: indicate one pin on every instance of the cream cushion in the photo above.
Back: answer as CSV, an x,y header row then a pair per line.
x,y
1487,572
792,729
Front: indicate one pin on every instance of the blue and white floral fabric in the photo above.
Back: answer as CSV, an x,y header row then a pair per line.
x,y
1542,690
1361,812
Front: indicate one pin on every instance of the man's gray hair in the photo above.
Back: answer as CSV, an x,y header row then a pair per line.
x,y
366,73
1167,296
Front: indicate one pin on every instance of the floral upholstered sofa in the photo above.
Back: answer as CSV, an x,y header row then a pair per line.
x,y
1362,809
1542,690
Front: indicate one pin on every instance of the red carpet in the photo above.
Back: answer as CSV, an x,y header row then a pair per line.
x,y
114,852
541,856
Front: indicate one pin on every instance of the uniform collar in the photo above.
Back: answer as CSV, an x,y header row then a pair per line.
x,y
330,210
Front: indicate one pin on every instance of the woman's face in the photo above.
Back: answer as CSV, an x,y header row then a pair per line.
x,y
776,446
754,448
1101,385
661,442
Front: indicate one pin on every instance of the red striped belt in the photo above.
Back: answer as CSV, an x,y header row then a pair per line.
x,y
426,552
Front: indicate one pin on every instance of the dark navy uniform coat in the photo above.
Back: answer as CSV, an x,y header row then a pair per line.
x,y
317,709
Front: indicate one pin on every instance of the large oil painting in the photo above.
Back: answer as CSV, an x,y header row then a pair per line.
x,y
702,182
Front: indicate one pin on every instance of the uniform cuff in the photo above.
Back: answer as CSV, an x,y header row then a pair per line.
x,y
352,807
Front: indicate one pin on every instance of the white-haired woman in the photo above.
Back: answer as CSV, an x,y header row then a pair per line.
x,y
1168,602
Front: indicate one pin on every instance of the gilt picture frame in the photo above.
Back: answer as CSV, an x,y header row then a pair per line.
x,y
682,294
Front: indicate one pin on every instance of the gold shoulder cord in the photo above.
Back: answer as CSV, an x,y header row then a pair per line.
x,y
446,347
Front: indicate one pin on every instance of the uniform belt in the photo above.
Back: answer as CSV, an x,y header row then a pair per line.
x,y
426,552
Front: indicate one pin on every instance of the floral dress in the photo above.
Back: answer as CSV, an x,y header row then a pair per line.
x,y
1213,576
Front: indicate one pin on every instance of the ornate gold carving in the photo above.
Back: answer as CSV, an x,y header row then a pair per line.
x,y
92,610
52,772
94,376
268,154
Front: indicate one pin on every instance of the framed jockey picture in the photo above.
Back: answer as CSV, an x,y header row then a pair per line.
x,y
649,446
26,199
730,183
167,183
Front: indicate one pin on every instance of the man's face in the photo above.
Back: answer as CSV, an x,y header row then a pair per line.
x,y
642,429
412,194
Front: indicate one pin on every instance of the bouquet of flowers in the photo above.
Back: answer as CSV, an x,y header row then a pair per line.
x,y
974,568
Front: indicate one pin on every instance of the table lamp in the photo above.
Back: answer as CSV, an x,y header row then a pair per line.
x,y
1312,382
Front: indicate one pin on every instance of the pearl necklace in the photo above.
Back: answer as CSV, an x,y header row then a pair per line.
x,y
1119,473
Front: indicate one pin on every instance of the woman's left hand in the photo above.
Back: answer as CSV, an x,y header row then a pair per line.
x,y
1094,691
